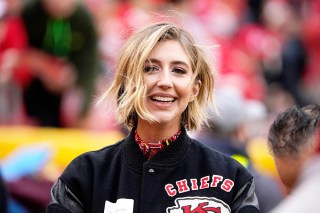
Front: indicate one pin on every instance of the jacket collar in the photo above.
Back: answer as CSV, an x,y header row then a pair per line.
x,y
169,156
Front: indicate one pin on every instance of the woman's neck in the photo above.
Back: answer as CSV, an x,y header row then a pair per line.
x,y
154,132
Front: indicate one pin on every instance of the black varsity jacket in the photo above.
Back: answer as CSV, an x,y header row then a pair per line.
x,y
185,177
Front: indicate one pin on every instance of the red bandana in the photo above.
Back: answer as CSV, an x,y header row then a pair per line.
x,y
150,149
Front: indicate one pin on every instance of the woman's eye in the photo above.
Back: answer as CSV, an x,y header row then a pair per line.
x,y
150,68
179,70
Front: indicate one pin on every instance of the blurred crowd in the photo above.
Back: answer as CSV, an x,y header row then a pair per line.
x,y
57,56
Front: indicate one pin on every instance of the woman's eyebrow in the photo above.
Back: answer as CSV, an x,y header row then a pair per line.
x,y
153,60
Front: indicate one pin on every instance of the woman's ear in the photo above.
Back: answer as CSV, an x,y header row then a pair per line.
x,y
195,90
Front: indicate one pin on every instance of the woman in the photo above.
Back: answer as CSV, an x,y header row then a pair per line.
x,y
163,80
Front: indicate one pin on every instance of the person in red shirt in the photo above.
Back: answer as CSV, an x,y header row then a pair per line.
x,y
13,40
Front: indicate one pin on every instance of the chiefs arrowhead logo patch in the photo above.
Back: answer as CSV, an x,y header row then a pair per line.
x,y
199,205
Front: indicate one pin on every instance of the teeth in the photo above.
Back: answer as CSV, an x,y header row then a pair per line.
x,y
163,99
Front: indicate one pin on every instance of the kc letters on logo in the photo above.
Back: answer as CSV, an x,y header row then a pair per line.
x,y
199,205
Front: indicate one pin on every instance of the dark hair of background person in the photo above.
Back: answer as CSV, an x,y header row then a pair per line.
x,y
292,129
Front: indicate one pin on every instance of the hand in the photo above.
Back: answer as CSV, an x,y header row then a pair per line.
x,y
57,74
10,60
60,78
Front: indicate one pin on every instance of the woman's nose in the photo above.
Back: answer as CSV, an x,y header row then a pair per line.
x,y
165,79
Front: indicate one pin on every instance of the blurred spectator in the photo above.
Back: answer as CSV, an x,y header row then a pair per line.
x,y
278,100
311,34
236,58
287,65
12,76
64,60
12,39
230,133
254,11
294,140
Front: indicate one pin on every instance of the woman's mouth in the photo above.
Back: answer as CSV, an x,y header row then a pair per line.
x,y
162,99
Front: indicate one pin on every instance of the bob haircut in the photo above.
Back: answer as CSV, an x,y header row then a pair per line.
x,y
129,88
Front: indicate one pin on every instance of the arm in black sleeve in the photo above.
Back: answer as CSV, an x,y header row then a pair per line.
x,y
246,200
63,200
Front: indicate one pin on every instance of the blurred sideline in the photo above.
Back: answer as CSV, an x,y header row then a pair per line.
x,y
60,145
65,144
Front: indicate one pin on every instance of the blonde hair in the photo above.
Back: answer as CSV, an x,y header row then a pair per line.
x,y
129,88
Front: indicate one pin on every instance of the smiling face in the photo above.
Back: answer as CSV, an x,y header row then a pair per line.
x,y
170,83
149,59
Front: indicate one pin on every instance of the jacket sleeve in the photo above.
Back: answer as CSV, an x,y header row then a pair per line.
x,y
63,200
246,200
